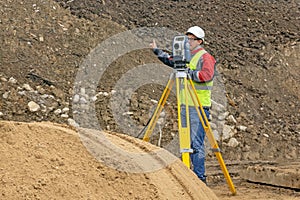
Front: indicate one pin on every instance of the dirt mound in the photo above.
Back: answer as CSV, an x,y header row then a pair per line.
x,y
49,161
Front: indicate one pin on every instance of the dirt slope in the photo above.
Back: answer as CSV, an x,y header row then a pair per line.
x,y
257,45
49,161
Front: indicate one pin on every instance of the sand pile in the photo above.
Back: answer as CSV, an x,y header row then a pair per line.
x,y
49,161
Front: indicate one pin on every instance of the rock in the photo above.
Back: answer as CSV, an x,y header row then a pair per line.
x,y
5,95
27,87
44,108
231,119
127,113
12,80
57,111
44,96
66,109
162,114
233,142
64,115
3,79
72,122
222,116
241,128
154,101
33,107
94,98
22,93
227,132
83,100
82,91
216,135
40,90
160,121
76,98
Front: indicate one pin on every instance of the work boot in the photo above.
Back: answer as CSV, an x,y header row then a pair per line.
x,y
203,179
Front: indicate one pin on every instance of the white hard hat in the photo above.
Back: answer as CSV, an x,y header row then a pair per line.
x,y
196,31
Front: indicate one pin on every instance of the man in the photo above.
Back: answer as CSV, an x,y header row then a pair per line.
x,y
201,70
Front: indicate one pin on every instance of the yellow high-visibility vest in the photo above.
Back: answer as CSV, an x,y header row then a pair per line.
x,y
203,90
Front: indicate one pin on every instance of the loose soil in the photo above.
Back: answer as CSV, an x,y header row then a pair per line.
x,y
49,161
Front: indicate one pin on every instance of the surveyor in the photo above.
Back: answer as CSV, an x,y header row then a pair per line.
x,y
201,70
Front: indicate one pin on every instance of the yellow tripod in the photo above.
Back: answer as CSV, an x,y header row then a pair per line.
x,y
181,77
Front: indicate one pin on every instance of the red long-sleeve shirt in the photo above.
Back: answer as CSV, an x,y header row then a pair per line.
x,y
205,67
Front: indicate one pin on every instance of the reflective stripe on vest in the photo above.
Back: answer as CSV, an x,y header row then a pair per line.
x,y
203,90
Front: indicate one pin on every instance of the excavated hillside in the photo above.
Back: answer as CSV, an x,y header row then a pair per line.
x,y
49,46
257,46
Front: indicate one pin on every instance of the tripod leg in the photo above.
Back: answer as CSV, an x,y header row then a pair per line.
x,y
184,127
158,109
210,136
